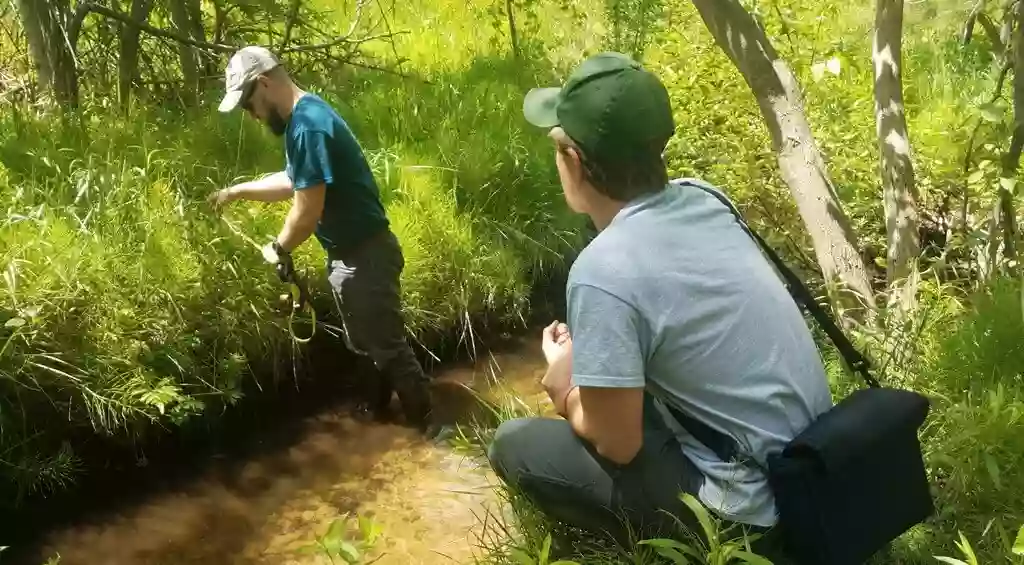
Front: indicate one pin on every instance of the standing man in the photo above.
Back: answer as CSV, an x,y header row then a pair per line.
x,y
334,197
672,309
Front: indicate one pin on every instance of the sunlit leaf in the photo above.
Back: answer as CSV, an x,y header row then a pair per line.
x,y
752,558
976,177
1007,184
1018,545
14,323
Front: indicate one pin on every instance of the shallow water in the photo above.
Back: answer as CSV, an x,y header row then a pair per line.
x,y
429,501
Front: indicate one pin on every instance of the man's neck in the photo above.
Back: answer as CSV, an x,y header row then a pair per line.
x,y
294,94
602,213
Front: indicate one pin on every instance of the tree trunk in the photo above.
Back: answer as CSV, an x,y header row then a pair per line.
x,y
1011,160
44,22
189,55
781,102
128,63
899,193
510,10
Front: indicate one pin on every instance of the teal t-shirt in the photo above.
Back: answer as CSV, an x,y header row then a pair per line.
x,y
320,148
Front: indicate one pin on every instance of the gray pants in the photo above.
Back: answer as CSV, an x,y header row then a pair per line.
x,y
367,291
569,481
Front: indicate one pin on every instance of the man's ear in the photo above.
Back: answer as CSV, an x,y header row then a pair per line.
x,y
575,161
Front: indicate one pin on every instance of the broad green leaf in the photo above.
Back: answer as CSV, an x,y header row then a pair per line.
x,y
1018,546
348,552
14,323
336,531
752,558
968,551
1007,184
976,177
703,517
544,550
521,557
673,545
672,555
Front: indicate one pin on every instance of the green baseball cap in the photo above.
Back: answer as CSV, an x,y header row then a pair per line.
x,y
611,106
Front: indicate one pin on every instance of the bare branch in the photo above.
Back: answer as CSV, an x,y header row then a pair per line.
x,y
292,17
87,7
340,41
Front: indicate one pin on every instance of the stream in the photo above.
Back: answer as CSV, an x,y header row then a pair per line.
x,y
428,500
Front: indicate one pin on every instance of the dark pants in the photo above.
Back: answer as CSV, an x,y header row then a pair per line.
x,y
565,477
367,290
570,482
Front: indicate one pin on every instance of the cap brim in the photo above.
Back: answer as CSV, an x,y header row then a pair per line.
x,y
230,101
540,107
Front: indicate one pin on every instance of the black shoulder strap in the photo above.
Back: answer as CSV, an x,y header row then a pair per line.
x,y
723,445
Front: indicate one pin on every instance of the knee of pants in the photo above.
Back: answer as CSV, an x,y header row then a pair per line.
x,y
505,453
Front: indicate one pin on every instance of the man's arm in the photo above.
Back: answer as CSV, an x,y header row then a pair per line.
x,y
271,188
313,170
599,387
303,217
609,418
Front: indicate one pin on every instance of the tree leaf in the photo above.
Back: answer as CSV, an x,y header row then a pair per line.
x,y
976,177
1007,184
1018,546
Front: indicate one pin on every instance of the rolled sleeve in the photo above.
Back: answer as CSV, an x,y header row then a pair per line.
x,y
606,348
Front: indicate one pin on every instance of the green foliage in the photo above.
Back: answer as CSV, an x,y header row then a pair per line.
x,y
719,550
338,546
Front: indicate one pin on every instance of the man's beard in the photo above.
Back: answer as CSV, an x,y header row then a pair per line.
x,y
276,122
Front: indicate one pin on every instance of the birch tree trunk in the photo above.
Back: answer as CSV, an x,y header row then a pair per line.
x,y
899,192
781,102
44,22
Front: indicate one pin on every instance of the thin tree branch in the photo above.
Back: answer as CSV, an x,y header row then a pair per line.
x,y
292,16
87,7
341,40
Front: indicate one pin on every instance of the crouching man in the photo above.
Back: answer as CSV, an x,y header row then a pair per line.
x,y
671,308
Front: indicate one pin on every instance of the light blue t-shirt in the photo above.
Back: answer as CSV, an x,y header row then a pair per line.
x,y
676,297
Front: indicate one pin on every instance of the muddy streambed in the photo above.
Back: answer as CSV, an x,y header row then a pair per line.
x,y
428,500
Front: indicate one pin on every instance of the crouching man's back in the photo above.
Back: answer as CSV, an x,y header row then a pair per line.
x,y
720,337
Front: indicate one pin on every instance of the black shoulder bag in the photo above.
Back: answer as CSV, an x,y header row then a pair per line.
x,y
854,480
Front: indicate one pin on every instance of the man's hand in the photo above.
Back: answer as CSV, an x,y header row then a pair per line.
x,y
556,343
221,197
281,259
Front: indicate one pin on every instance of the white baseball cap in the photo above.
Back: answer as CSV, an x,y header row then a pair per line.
x,y
245,65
